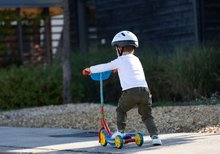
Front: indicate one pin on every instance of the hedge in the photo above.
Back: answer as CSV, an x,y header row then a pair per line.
x,y
181,76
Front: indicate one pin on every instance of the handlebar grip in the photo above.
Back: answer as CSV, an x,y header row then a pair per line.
x,y
85,72
114,70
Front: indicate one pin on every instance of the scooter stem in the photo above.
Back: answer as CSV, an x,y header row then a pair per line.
x,y
102,112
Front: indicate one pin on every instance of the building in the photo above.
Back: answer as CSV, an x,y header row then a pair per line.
x,y
166,24
160,23
30,31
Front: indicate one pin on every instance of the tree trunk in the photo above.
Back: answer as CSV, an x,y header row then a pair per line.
x,y
66,57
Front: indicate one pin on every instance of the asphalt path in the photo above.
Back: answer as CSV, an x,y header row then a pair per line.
x,y
61,141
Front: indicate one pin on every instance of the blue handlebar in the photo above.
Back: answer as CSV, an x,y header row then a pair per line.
x,y
101,75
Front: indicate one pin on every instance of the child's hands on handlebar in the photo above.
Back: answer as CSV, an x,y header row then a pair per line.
x,y
86,71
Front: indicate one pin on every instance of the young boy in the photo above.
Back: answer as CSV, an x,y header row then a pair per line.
x,y
135,91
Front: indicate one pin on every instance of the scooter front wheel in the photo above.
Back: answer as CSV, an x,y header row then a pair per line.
x,y
102,138
119,142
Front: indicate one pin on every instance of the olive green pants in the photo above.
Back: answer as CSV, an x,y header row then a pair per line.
x,y
141,98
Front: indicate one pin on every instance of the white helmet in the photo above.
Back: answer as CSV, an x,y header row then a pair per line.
x,y
125,38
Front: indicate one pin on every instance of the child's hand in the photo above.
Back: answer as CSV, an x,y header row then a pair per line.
x,y
114,70
86,71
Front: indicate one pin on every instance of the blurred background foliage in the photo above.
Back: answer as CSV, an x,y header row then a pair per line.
x,y
179,77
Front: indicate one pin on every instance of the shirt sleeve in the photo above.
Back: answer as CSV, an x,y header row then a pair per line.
x,y
104,67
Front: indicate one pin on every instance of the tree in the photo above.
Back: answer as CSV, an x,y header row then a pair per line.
x,y
67,97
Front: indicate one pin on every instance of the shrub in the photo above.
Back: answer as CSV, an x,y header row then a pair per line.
x,y
193,75
180,76
27,86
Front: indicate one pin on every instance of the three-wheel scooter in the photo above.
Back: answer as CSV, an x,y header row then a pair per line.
x,y
105,134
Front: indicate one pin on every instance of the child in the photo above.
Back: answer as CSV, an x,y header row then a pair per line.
x,y
135,91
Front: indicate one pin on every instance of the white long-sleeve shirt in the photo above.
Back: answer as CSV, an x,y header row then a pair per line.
x,y
129,68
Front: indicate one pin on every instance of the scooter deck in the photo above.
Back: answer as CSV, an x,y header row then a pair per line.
x,y
127,139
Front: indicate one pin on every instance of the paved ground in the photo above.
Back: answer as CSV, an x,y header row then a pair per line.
x,y
61,141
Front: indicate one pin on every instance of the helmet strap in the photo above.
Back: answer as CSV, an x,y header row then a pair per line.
x,y
120,52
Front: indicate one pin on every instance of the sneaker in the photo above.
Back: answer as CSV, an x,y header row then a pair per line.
x,y
156,140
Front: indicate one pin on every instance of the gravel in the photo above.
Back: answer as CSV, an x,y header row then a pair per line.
x,y
201,118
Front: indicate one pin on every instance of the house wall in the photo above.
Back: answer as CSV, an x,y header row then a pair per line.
x,y
157,23
210,20
78,25
161,23
73,23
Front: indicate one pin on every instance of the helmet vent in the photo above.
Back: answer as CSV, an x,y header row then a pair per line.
x,y
123,34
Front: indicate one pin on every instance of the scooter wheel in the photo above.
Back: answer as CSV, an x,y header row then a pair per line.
x,y
139,139
102,138
119,142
